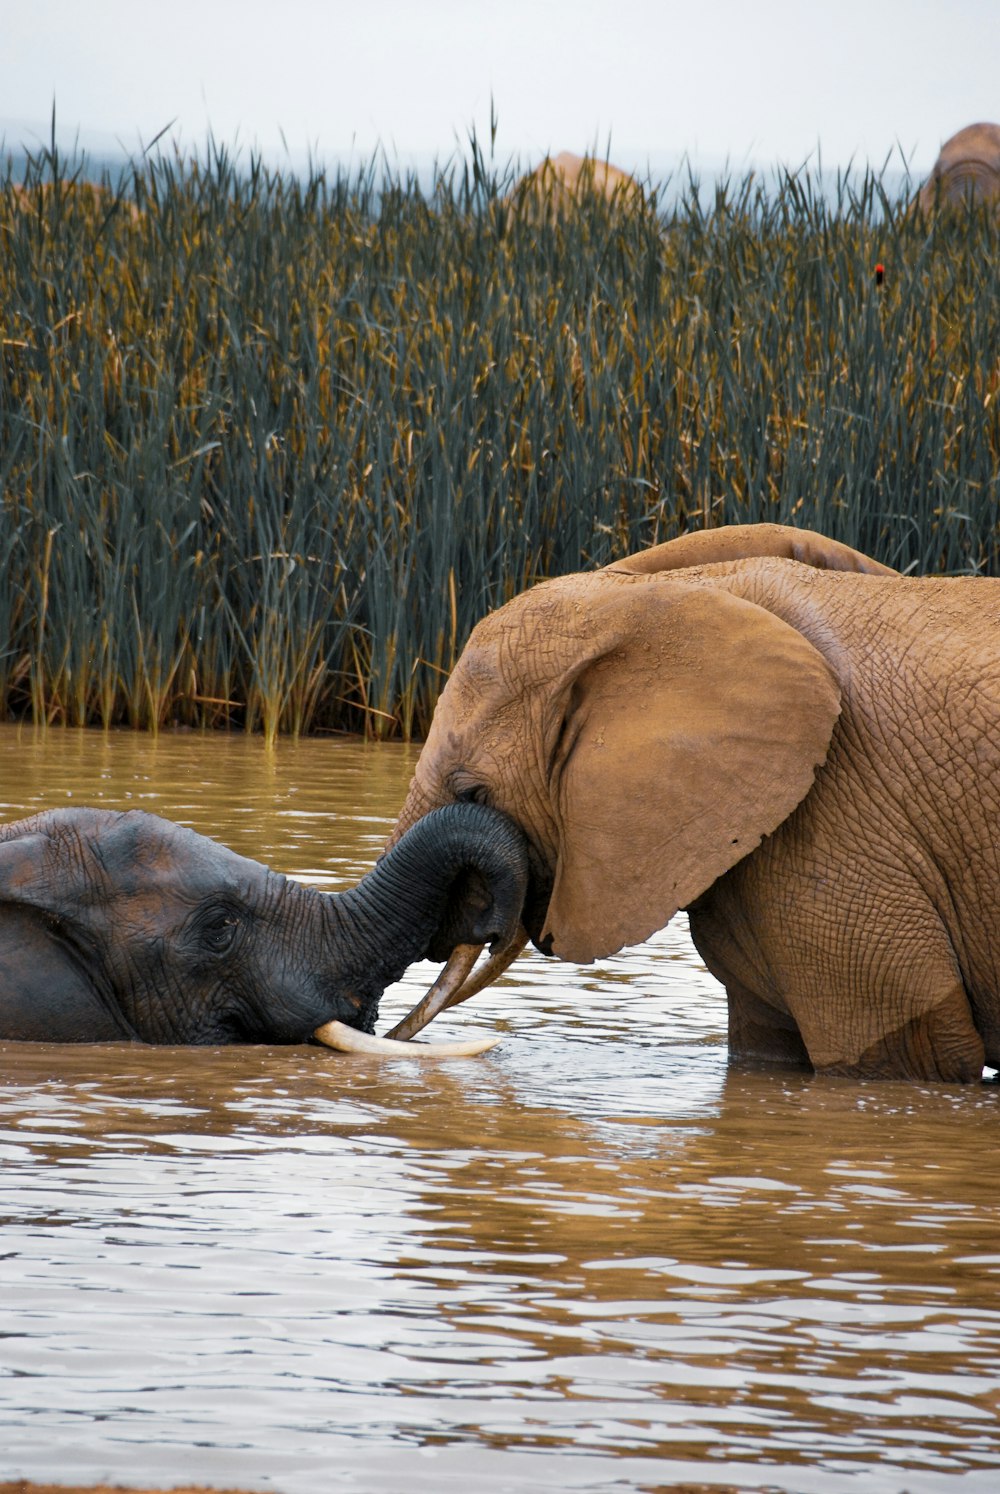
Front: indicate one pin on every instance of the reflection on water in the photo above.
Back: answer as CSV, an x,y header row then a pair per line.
x,y
594,1260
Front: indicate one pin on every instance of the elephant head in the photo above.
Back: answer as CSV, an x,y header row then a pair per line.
x,y
968,166
126,926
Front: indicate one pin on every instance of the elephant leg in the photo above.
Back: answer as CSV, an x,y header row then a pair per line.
x,y
892,1008
939,1044
759,1031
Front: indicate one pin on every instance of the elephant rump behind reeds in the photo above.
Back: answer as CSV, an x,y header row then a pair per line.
x,y
968,167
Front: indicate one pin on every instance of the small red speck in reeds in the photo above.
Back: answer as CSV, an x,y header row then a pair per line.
x,y
879,274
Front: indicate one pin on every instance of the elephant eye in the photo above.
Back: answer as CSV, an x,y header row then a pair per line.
x,y
475,793
218,929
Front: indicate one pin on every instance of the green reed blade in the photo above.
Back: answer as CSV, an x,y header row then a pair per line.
x,y
270,446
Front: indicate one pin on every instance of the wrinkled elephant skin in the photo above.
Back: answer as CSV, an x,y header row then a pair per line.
x,y
781,736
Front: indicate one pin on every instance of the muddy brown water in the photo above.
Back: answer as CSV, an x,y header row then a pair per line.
x,y
596,1259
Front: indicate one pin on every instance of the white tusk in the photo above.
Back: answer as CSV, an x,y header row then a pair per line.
x,y
450,981
349,1040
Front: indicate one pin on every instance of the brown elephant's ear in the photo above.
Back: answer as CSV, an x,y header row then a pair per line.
x,y
693,735
746,542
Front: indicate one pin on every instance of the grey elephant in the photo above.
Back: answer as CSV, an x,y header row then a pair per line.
x,y
776,733
967,166
126,926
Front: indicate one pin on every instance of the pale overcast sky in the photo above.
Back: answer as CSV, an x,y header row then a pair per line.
x,y
726,80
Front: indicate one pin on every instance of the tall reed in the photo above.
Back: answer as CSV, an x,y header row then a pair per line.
x,y
270,446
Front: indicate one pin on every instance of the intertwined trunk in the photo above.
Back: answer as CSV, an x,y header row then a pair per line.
x,y
456,877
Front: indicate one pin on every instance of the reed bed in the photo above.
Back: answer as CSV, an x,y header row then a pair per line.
x,y
271,445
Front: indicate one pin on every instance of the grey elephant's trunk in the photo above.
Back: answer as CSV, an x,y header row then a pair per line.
x,y
458,876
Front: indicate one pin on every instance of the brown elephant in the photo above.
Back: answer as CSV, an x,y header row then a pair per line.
x,y
968,166
94,199
787,739
566,178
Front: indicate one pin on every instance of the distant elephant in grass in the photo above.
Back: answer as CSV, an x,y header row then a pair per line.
x,y
968,166
129,927
95,199
792,742
567,178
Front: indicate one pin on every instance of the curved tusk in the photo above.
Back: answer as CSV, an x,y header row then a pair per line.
x,y
499,961
451,980
349,1040
456,983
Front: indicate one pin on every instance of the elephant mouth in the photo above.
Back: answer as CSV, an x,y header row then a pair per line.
x,y
541,880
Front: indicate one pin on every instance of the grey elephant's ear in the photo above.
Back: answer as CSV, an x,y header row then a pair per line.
x,y
48,861
47,994
27,869
746,542
693,734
